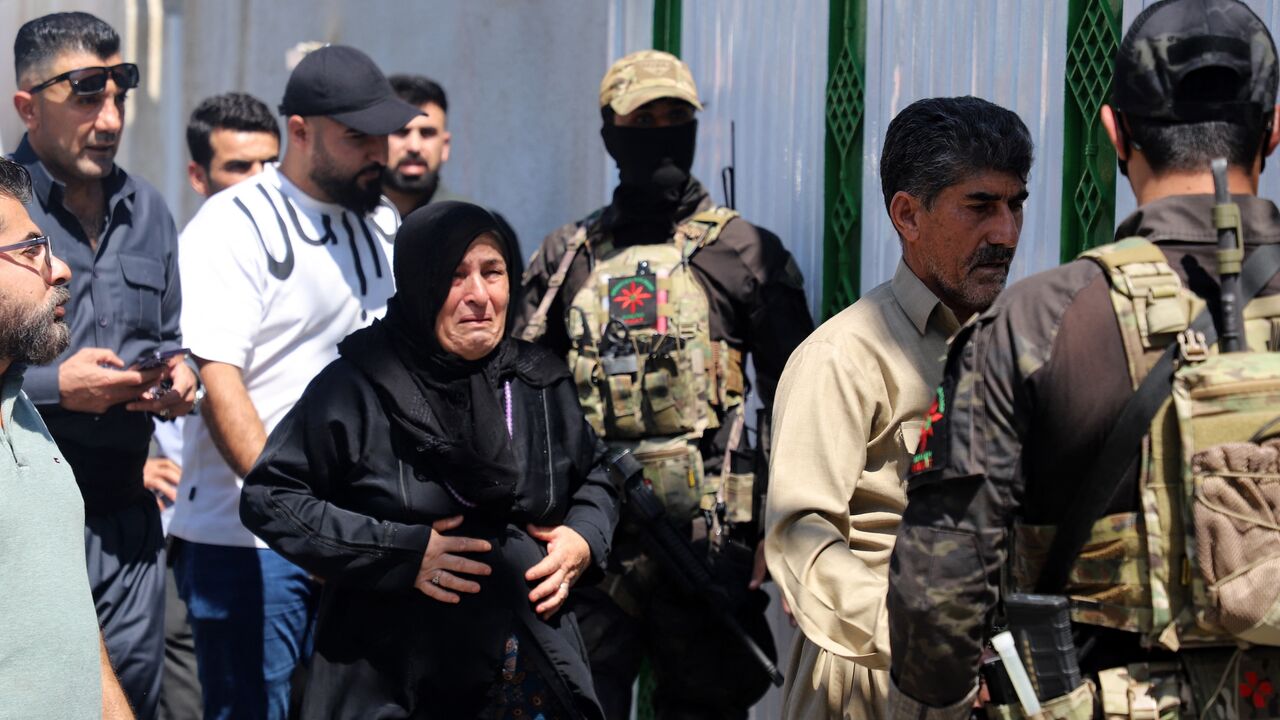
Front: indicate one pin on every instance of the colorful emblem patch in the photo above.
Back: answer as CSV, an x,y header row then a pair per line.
x,y
1256,690
633,300
923,459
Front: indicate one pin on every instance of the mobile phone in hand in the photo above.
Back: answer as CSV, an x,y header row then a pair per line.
x,y
153,360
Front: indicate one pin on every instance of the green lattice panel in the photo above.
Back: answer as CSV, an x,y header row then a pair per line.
x,y
1088,162
1088,199
844,101
842,186
845,225
844,218
1089,60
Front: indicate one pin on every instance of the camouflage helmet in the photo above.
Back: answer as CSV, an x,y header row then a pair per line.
x,y
645,76
1187,61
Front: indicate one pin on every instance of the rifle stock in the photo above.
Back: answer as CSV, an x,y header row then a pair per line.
x,y
675,553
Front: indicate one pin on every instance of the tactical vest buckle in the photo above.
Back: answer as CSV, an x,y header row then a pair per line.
x,y
1192,347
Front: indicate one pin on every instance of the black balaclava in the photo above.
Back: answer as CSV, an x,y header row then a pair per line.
x,y
653,169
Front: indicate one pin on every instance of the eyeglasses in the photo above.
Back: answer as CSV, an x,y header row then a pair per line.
x,y
42,242
93,80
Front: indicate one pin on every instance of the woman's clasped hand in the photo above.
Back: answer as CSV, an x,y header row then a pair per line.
x,y
441,575
567,556
445,572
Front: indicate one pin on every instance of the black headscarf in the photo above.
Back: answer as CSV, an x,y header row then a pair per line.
x,y
452,410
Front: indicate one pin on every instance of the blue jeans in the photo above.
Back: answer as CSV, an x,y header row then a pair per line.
x,y
252,613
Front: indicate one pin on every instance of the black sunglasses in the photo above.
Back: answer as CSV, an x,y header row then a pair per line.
x,y
93,80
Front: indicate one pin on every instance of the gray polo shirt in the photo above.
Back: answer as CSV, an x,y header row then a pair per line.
x,y
49,663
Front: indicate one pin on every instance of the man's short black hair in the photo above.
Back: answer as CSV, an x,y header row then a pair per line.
x,y
229,111
418,90
1189,147
41,40
937,142
15,181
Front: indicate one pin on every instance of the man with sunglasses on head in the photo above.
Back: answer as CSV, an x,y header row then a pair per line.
x,y
119,240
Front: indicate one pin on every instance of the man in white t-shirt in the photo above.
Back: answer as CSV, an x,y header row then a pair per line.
x,y
276,270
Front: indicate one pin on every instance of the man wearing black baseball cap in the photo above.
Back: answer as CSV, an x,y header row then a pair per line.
x,y
1019,452
276,270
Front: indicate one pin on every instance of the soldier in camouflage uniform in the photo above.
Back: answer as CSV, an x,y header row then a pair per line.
x,y
1034,385
715,289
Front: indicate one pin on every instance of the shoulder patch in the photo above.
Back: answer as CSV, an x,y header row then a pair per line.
x,y
929,450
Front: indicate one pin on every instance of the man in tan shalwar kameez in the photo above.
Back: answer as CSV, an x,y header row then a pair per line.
x,y
854,401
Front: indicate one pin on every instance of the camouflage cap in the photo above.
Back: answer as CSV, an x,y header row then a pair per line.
x,y
645,76
1187,61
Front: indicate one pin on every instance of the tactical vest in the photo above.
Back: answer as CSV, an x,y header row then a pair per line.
x,y
648,374
1199,563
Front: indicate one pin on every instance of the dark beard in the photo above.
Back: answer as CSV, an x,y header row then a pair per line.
x,y
424,185
34,336
348,193
345,189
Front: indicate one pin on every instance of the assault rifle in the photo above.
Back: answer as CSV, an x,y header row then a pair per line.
x,y
675,553
1226,218
728,173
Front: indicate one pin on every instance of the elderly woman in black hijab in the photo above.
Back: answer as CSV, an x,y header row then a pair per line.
x,y
442,481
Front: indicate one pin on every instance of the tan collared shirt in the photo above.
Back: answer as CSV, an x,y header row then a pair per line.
x,y
850,407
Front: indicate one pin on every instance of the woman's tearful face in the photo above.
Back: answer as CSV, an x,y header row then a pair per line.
x,y
474,316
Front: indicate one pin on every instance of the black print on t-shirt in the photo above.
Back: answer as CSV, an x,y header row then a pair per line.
x,y
327,237
282,269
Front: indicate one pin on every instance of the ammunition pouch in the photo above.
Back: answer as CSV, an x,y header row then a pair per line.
x,y
1075,705
1154,691
673,468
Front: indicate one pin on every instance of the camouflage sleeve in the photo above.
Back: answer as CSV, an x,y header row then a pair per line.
x,y
951,544
902,707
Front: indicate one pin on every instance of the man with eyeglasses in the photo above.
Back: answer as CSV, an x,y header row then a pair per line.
x,y
53,663
118,238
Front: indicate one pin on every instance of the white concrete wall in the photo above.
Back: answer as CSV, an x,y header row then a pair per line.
x,y
522,78
1011,53
762,66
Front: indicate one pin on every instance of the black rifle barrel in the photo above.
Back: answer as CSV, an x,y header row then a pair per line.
x,y
1230,256
675,553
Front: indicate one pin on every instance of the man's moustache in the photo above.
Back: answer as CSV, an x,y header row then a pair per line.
x,y
61,296
992,255
411,158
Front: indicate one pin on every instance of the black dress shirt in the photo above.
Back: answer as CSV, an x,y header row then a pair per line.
x,y
125,297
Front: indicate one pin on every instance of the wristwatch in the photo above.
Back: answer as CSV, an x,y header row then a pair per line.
x,y
195,405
